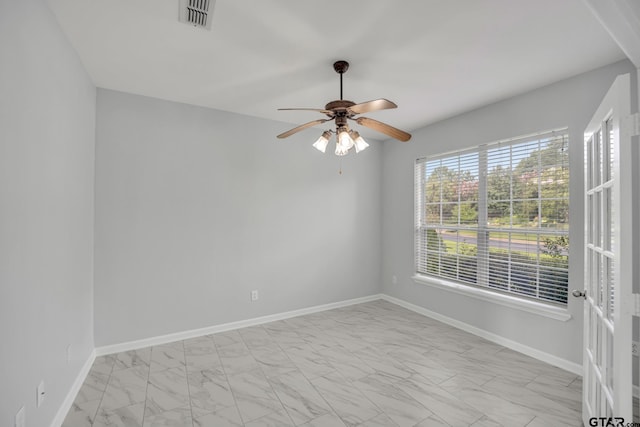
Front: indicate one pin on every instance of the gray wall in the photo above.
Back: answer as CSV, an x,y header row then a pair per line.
x,y
571,103
196,207
47,125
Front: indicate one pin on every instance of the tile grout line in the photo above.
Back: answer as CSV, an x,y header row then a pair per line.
x,y
186,372
308,380
146,390
226,375
93,420
267,378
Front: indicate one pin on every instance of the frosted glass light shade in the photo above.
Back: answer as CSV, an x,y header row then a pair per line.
x,y
358,141
322,142
340,150
345,140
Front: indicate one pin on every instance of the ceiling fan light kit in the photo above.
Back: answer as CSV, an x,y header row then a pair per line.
x,y
342,110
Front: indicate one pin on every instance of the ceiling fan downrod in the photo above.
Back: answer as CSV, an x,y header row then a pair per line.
x,y
341,67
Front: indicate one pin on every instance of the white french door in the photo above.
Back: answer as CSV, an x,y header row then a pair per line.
x,y
607,363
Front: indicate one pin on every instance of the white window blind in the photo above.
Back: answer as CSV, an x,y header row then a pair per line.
x,y
497,216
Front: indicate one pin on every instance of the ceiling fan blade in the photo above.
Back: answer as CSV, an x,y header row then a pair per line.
x,y
384,128
375,105
301,127
319,110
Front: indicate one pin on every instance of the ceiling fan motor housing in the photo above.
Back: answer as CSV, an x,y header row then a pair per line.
x,y
339,105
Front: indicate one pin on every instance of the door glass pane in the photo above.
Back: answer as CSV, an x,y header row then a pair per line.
x,y
609,371
610,148
591,388
593,274
589,218
597,209
606,271
599,155
594,334
610,285
597,279
597,150
591,344
606,216
602,291
606,153
595,220
598,342
589,167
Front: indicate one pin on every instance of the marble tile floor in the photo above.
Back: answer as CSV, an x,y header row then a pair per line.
x,y
372,364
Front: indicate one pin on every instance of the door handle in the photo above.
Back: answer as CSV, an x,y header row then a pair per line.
x,y
576,293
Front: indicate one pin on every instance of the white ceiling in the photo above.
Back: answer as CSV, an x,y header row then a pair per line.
x,y
434,58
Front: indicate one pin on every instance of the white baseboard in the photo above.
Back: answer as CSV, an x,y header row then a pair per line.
x,y
165,339
73,392
513,345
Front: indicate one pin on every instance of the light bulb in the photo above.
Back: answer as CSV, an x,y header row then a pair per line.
x,y
322,142
345,140
358,141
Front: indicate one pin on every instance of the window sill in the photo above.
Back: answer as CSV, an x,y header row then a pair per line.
x,y
534,307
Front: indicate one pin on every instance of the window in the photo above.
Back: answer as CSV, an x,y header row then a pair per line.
x,y
497,216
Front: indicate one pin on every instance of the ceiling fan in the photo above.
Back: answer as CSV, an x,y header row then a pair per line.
x,y
343,110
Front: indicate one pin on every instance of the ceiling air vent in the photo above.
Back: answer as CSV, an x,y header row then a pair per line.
x,y
197,12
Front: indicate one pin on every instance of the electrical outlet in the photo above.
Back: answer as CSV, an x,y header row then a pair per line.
x,y
254,295
40,394
635,348
21,420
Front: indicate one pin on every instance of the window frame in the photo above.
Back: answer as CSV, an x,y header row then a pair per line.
x,y
480,289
